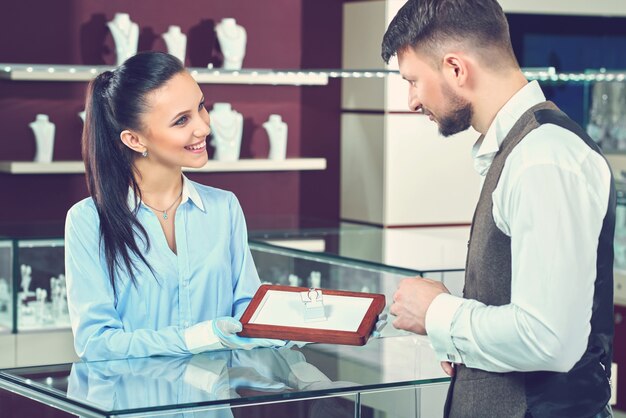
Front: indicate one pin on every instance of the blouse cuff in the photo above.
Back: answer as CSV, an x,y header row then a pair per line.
x,y
200,337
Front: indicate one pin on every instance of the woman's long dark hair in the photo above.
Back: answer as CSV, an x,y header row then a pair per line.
x,y
115,101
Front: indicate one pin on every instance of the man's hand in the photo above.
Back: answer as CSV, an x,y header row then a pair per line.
x,y
412,300
448,368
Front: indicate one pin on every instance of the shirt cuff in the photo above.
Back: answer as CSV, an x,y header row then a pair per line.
x,y
200,337
439,319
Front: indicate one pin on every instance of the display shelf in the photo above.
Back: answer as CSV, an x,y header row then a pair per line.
x,y
608,8
53,72
76,167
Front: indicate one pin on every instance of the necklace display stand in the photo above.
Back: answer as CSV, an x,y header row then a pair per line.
x,y
176,42
81,115
44,138
277,133
5,296
125,35
227,129
232,38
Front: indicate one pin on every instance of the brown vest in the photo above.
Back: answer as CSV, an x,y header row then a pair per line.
x,y
477,393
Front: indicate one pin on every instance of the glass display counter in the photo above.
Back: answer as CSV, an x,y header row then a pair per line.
x,y
6,286
436,253
32,285
314,380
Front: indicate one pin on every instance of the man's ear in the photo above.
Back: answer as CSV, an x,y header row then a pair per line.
x,y
132,141
455,69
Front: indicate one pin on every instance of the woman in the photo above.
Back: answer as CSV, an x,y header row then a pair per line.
x,y
155,263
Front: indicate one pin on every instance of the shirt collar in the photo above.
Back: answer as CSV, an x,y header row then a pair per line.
x,y
189,193
488,145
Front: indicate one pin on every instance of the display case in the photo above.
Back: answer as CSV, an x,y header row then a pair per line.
x,y
33,303
316,380
41,300
32,285
436,252
6,286
284,266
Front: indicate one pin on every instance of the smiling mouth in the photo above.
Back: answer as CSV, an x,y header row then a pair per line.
x,y
196,147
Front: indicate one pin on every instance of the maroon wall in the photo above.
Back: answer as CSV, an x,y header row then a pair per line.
x,y
281,34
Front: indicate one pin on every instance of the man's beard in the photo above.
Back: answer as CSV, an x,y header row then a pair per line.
x,y
459,118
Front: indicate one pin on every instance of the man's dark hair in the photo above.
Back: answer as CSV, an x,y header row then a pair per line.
x,y
430,24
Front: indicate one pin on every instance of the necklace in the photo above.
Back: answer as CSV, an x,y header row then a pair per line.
x,y
227,132
164,212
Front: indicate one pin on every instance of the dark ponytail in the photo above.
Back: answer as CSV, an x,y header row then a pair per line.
x,y
115,101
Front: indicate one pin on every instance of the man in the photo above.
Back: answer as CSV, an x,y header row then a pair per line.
x,y
532,336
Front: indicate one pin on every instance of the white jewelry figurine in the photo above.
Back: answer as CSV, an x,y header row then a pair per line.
x,y
227,128
41,295
277,132
5,297
44,138
293,280
26,279
232,38
125,35
176,42
315,279
82,115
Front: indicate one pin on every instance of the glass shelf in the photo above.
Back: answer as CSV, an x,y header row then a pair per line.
x,y
319,77
76,167
53,72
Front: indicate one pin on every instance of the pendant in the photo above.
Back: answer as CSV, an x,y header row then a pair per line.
x,y
165,214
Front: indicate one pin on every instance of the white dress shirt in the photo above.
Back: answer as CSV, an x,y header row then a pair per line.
x,y
551,200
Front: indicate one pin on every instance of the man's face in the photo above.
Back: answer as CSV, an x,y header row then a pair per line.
x,y
431,95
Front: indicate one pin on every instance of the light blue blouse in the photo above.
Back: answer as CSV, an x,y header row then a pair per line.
x,y
212,275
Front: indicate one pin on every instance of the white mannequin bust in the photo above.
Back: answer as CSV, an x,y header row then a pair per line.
x,y
44,138
176,42
26,279
232,38
4,291
227,129
125,35
277,132
81,115
293,280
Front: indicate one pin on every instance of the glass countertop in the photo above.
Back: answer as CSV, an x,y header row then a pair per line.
x,y
225,379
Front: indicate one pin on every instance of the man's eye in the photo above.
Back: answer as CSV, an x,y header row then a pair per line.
x,y
181,120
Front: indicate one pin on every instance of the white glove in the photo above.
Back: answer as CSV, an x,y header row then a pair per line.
x,y
381,322
226,329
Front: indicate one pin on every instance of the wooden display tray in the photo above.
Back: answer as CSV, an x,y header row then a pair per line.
x,y
318,334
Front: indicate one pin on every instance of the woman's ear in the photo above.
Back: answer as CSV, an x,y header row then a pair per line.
x,y
132,141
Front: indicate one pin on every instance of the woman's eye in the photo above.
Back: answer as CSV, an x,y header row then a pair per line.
x,y
181,120
201,106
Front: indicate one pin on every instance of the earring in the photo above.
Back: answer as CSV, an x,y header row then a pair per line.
x,y
144,153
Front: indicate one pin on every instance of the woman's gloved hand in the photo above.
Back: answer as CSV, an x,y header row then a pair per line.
x,y
226,329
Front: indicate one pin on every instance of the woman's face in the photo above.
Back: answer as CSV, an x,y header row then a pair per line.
x,y
176,125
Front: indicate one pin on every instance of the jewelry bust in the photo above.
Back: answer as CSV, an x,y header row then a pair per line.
x,y
125,35
227,130
277,132
232,38
44,138
176,42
